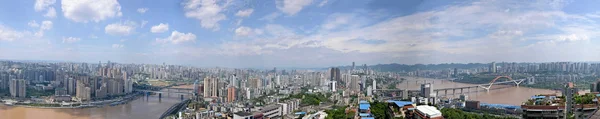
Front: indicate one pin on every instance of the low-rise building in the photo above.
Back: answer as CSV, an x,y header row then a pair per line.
x,y
470,104
427,112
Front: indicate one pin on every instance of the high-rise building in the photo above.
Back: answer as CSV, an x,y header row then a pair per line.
x,y
569,92
4,81
353,85
128,87
374,84
18,88
332,86
195,91
230,94
455,72
353,66
83,91
101,91
595,86
233,80
426,90
369,91
71,86
211,87
492,67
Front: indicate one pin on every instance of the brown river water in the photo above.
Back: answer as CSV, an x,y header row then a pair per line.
x,y
141,108
499,94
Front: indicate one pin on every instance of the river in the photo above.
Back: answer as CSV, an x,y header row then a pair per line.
x,y
141,108
499,94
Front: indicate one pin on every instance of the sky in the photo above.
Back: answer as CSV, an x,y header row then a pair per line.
x,y
299,33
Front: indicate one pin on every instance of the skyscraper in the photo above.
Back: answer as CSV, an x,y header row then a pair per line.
x,y
353,85
195,87
353,66
230,94
493,67
426,90
569,92
4,81
211,87
83,91
455,72
374,84
18,88
71,86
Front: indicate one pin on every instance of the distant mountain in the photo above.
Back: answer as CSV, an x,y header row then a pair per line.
x,y
405,67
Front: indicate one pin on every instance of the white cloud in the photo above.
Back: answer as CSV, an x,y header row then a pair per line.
x,y
41,5
209,12
270,17
46,25
178,37
291,7
144,22
336,20
323,3
455,30
8,34
142,10
70,40
120,28
90,10
51,13
243,31
244,13
33,24
118,45
160,28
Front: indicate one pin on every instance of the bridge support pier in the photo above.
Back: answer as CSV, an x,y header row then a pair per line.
x,y
453,91
446,92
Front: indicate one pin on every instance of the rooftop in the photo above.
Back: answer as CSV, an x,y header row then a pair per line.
x,y
243,113
400,103
363,106
429,111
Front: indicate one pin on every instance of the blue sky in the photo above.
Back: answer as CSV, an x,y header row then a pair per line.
x,y
299,33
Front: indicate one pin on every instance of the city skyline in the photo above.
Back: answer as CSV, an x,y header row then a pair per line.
x,y
300,33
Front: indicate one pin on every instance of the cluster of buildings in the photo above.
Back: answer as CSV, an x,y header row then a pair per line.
x,y
512,67
68,81
570,103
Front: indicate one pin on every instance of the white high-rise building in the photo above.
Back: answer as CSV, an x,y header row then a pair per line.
x,y
278,80
374,84
332,86
369,91
248,93
233,80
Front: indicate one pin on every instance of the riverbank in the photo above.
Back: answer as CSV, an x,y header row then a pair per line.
x,y
497,95
112,102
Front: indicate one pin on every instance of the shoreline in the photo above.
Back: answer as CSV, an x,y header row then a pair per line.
x,y
102,104
413,77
